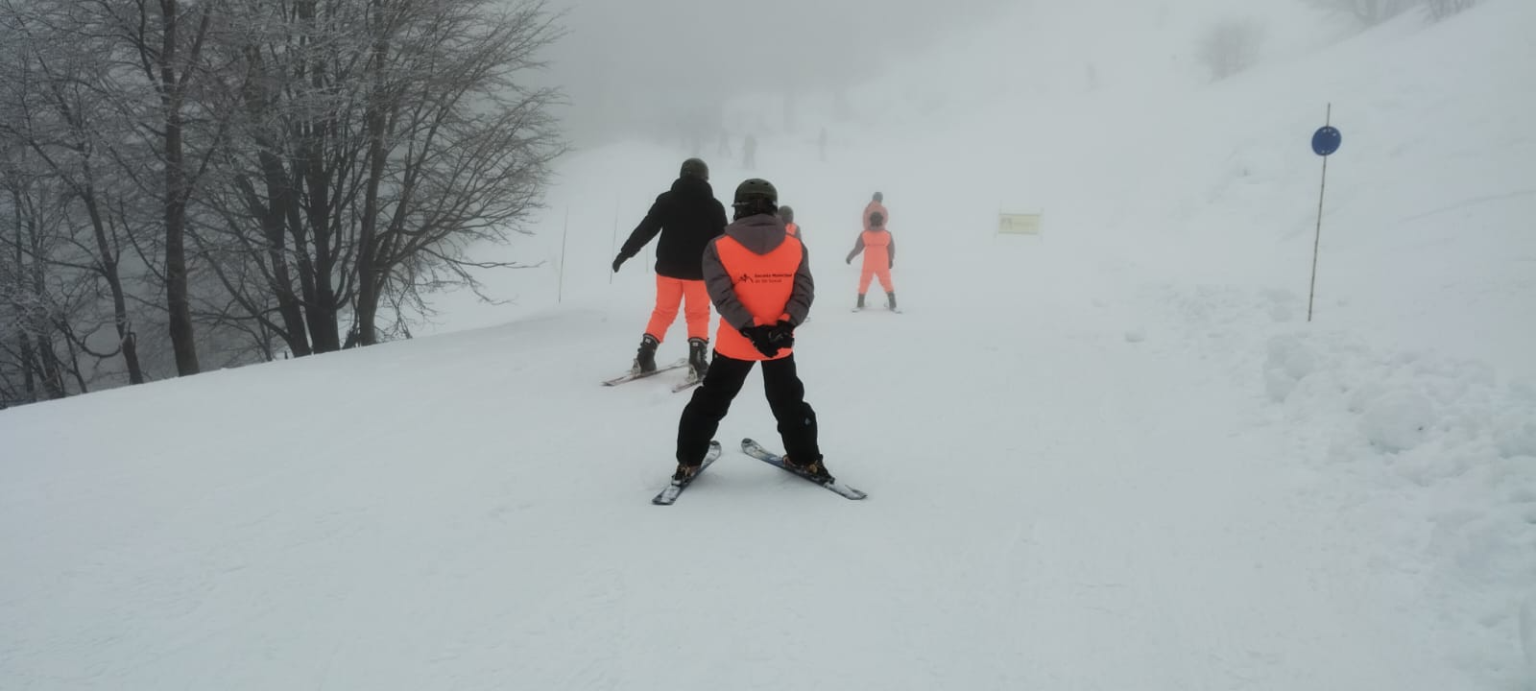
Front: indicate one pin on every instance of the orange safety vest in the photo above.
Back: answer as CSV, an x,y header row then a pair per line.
x,y
763,284
877,245
792,229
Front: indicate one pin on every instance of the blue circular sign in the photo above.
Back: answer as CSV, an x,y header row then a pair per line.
x,y
1326,140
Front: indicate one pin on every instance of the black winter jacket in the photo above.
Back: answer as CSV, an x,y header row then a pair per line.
x,y
687,217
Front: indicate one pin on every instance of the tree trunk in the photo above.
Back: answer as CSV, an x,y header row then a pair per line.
x,y
279,199
367,273
183,340
315,274
29,365
368,278
316,270
53,374
109,271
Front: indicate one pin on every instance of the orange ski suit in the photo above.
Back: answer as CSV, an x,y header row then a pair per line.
x,y
671,291
879,250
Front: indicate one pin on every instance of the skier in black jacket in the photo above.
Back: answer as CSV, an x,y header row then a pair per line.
x,y
688,217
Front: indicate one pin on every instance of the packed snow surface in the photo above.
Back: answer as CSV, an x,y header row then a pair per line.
x,y
1115,455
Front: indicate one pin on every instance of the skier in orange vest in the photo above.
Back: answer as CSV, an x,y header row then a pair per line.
x,y
788,214
879,250
876,205
759,279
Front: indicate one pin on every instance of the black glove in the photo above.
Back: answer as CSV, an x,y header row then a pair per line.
x,y
617,262
782,334
761,339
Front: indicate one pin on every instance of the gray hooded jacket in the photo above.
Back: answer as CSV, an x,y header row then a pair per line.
x,y
760,234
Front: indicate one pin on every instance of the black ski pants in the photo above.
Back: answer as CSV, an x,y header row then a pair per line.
x,y
712,400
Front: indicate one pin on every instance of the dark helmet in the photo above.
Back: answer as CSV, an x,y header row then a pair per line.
x,y
879,197
876,219
694,167
787,213
755,189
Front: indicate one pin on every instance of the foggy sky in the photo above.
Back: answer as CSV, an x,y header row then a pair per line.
x,y
627,62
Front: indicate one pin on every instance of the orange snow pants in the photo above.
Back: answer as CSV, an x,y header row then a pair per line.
x,y
871,270
671,291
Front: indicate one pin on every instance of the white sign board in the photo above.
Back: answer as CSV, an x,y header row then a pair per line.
x,y
1018,224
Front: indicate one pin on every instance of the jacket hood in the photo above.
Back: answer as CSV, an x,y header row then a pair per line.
x,y
761,234
693,186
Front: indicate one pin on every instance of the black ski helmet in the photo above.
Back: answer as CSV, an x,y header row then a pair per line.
x,y
787,213
879,197
876,219
694,167
753,189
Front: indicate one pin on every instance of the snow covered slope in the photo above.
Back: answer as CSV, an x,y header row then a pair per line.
x,y
1114,456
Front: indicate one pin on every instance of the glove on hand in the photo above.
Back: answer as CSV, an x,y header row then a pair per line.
x,y
761,339
617,262
782,334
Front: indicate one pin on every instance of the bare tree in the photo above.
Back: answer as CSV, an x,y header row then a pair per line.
x,y
458,150
160,66
46,303
1231,46
190,182
60,119
377,140
1367,12
1440,9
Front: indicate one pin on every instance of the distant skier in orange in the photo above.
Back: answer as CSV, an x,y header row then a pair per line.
x,y
879,250
875,206
788,214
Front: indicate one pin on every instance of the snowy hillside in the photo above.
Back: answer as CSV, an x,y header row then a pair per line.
x,y
1112,456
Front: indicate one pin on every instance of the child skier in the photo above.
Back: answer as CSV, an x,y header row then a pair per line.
x,y
879,250
876,205
788,214
759,279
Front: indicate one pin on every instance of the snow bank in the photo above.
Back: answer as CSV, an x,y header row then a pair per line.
x,y
1441,451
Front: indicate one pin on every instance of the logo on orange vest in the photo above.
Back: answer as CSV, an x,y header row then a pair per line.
x,y
764,277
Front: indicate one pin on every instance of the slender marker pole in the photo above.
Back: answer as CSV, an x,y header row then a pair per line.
x,y
1317,240
560,295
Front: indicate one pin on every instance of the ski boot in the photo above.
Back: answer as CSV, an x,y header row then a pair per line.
x,y
860,304
891,301
645,359
698,358
685,473
815,469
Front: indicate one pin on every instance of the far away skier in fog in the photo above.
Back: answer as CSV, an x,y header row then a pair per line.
x,y
749,153
788,214
875,205
879,250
